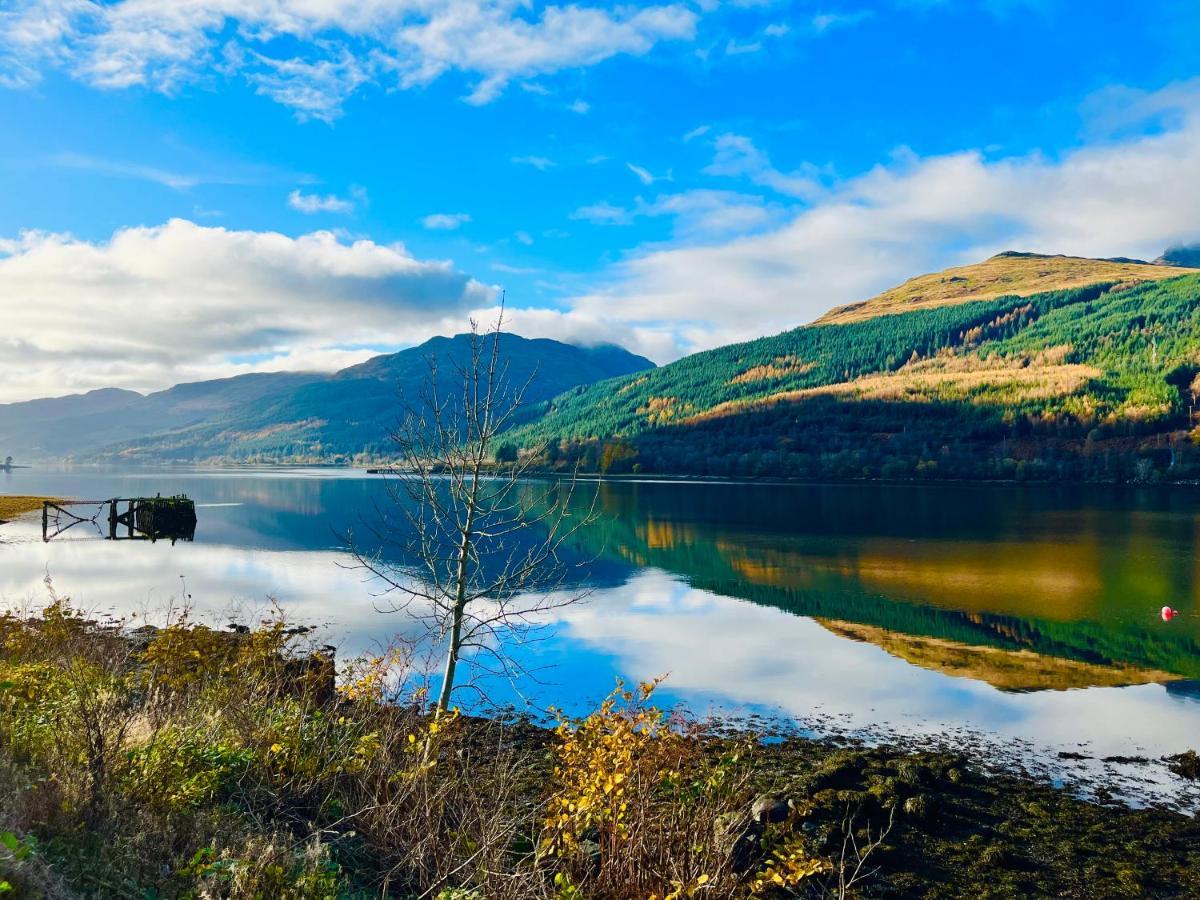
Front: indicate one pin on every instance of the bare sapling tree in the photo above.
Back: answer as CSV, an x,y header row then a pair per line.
x,y
480,563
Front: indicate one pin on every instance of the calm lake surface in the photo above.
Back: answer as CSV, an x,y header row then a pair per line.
x,y
1023,618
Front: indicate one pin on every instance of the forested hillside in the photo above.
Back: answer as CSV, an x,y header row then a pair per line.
x,y
937,378
1090,382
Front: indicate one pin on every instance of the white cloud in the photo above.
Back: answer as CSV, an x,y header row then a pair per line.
x,y
524,237
705,214
179,181
339,45
179,178
1119,110
733,48
1128,197
697,214
736,156
603,213
645,176
827,21
538,162
179,302
445,221
516,270
315,203
698,131
313,89
584,329
582,107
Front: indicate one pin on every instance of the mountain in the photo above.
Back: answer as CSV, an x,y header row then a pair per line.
x,y
1090,380
1009,274
1181,256
1021,366
285,417
82,423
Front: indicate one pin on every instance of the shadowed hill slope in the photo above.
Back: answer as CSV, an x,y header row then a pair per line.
x,y
351,414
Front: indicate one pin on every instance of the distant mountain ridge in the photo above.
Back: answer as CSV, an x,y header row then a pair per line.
x,y
282,417
65,427
1021,366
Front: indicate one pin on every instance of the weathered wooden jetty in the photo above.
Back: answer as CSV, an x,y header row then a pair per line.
x,y
141,519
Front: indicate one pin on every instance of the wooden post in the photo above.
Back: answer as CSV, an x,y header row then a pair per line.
x,y
112,519
45,520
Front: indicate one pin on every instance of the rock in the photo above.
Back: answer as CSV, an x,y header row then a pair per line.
x,y
955,775
740,837
770,808
1185,765
912,772
842,769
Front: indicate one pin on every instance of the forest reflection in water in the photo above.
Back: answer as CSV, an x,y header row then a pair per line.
x,y
1027,613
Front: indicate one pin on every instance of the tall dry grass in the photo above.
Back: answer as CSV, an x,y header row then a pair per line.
x,y
191,762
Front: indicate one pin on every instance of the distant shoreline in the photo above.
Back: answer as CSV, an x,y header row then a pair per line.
x,y
627,477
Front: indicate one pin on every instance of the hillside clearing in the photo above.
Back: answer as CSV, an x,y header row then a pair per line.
x,y
989,385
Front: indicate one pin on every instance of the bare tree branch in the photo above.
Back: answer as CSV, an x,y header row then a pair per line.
x,y
480,561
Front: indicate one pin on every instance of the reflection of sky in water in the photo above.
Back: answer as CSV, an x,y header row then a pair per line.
x,y
719,652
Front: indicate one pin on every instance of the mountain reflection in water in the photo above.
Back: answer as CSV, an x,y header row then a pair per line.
x,y
1028,614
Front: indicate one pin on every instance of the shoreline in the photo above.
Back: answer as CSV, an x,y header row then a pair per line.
x,y
622,477
258,747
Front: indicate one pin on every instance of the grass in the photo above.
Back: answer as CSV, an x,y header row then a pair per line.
x,y
15,505
1002,275
988,383
187,762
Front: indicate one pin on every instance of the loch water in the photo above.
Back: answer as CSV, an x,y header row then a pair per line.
x,y
1025,619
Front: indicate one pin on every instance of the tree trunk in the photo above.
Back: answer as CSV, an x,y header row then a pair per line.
x,y
451,656
460,597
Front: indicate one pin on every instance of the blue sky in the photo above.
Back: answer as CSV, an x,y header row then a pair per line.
x,y
298,183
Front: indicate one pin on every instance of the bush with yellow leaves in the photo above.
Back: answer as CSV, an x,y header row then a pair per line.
x,y
637,801
787,868
615,750
189,761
